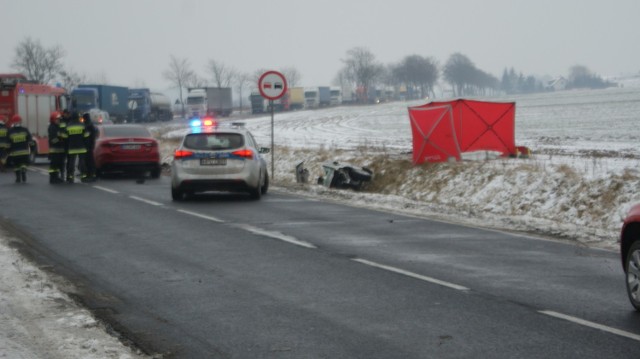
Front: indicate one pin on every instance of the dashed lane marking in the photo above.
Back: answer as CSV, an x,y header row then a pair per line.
x,y
210,218
411,274
593,325
276,235
106,189
153,203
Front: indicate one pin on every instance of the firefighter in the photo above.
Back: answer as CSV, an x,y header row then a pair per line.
x,y
66,115
75,134
56,149
19,149
4,141
90,143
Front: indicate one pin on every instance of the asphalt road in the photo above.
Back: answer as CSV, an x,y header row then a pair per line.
x,y
223,276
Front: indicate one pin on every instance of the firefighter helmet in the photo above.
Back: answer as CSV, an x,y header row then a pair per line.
x,y
55,115
16,119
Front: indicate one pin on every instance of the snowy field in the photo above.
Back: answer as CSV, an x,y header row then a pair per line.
x,y
580,181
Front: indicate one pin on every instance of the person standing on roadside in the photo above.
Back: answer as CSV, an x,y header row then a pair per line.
x,y
56,149
19,149
75,135
4,141
64,120
90,142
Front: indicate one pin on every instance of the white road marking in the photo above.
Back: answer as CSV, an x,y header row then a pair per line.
x,y
214,219
593,325
106,189
146,201
411,274
276,235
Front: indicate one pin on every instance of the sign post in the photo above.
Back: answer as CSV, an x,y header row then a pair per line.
x,y
272,86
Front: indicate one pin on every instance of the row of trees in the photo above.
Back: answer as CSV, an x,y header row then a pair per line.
x,y
417,74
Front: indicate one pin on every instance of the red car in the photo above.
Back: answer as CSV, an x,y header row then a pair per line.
x,y
126,149
630,254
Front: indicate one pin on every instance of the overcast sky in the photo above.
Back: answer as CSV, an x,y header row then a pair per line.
x,y
129,42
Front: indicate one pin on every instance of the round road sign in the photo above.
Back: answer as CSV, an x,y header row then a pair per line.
x,y
272,85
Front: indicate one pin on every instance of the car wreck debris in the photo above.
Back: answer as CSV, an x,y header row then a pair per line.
x,y
342,175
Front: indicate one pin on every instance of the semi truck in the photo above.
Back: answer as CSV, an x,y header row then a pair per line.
x,y
147,106
34,103
324,93
336,96
296,98
311,97
111,99
348,96
257,103
209,101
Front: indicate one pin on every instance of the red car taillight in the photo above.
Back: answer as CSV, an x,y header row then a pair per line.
x,y
182,154
246,153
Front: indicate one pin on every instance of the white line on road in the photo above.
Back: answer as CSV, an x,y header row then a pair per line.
x,y
146,201
411,274
214,219
106,189
276,235
593,325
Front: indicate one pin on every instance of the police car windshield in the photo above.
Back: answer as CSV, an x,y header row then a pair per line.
x,y
125,131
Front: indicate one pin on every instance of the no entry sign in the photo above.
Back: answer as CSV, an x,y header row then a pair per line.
x,y
272,85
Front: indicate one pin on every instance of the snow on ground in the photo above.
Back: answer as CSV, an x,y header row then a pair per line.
x,y
581,179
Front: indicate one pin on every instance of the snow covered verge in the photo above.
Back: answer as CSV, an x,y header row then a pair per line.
x,y
40,321
551,195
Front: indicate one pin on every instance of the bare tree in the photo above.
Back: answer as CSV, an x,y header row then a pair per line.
x,y
179,73
418,73
222,74
71,79
37,62
361,65
196,81
241,82
458,71
292,75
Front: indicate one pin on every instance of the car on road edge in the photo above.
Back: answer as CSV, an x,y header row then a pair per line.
x,y
630,254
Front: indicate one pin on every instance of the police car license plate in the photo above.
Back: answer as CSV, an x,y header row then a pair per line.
x,y
213,161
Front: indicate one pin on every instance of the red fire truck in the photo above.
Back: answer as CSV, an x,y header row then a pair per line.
x,y
34,103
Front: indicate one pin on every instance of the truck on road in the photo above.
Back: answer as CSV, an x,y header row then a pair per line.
x,y
257,103
111,99
296,98
34,103
336,96
311,97
147,106
209,101
324,93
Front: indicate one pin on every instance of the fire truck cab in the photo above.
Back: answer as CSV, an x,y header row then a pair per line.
x,y
34,103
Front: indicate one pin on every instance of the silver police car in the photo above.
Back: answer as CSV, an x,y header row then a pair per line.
x,y
218,157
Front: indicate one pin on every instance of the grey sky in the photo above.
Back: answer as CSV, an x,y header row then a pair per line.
x,y
129,42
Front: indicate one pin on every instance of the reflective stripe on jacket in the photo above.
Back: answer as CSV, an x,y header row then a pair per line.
x,y
4,139
19,139
75,134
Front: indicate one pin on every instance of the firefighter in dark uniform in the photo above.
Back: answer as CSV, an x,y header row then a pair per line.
x,y
4,141
19,149
75,134
66,115
56,149
90,143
